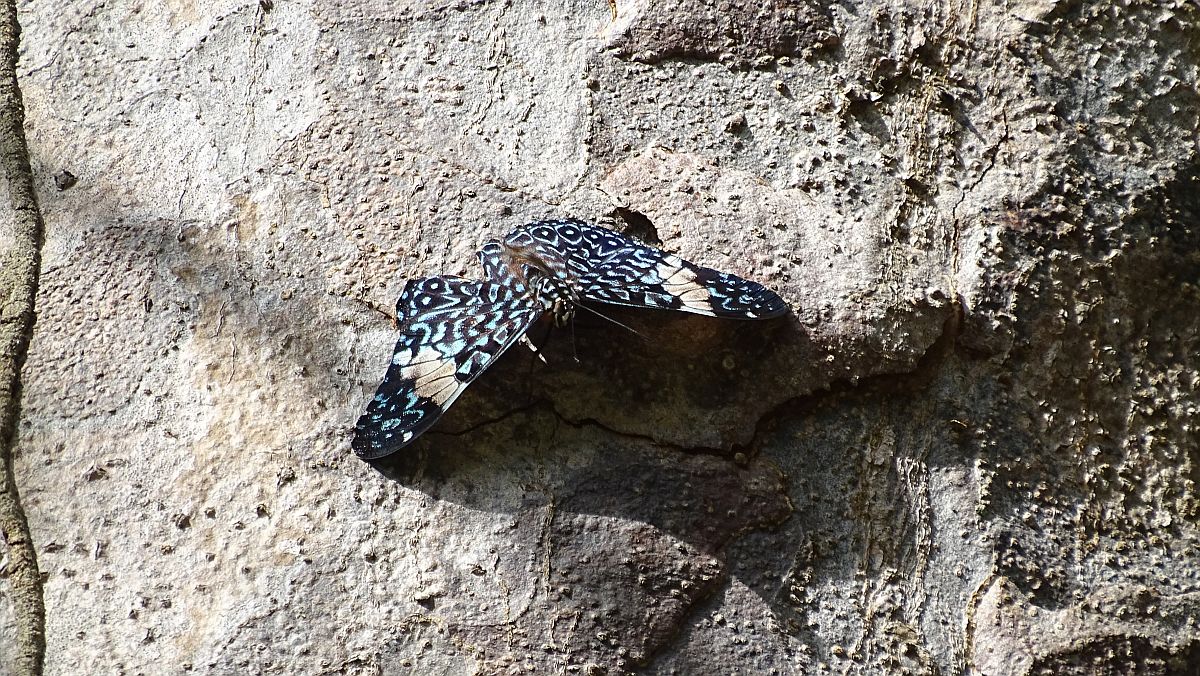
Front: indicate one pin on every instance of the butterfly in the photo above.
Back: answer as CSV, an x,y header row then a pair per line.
x,y
453,328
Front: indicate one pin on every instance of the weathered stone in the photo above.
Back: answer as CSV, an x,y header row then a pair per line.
x,y
971,447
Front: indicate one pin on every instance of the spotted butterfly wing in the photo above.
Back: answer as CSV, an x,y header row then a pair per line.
x,y
566,248
452,329
607,267
496,266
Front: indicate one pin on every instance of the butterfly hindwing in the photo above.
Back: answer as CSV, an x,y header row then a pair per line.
x,y
607,267
451,330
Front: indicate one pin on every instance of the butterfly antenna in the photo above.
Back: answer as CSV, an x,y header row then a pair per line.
x,y
529,372
372,306
604,316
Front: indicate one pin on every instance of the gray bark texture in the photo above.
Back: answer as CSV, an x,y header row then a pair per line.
x,y
972,448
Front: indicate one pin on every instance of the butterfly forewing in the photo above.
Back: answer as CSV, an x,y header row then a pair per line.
x,y
451,330
607,267
566,248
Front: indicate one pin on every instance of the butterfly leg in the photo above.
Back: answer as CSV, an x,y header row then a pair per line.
x,y
533,348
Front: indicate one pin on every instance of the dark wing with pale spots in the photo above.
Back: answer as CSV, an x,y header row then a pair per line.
x,y
495,268
607,267
568,248
642,276
452,329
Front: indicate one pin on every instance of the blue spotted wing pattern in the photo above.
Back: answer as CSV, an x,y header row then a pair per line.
x,y
606,267
496,267
451,330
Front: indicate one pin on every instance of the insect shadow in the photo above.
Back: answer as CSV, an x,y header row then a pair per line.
x,y
669,378
511,444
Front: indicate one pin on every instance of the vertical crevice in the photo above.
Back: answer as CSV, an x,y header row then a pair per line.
x,y
21,234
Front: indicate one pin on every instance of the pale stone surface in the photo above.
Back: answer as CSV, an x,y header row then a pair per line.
x,y
972,446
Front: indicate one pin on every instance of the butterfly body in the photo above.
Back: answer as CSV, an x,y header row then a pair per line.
x,y
452,329
558,298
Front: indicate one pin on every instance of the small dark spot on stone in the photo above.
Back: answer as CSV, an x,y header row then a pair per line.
x,y
639,226
736,124
916,185
286,475
64,179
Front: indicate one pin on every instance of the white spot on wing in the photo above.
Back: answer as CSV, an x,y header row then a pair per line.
x,y
432,375
680,282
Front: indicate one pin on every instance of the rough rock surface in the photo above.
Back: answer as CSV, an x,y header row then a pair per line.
x,y
971,447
